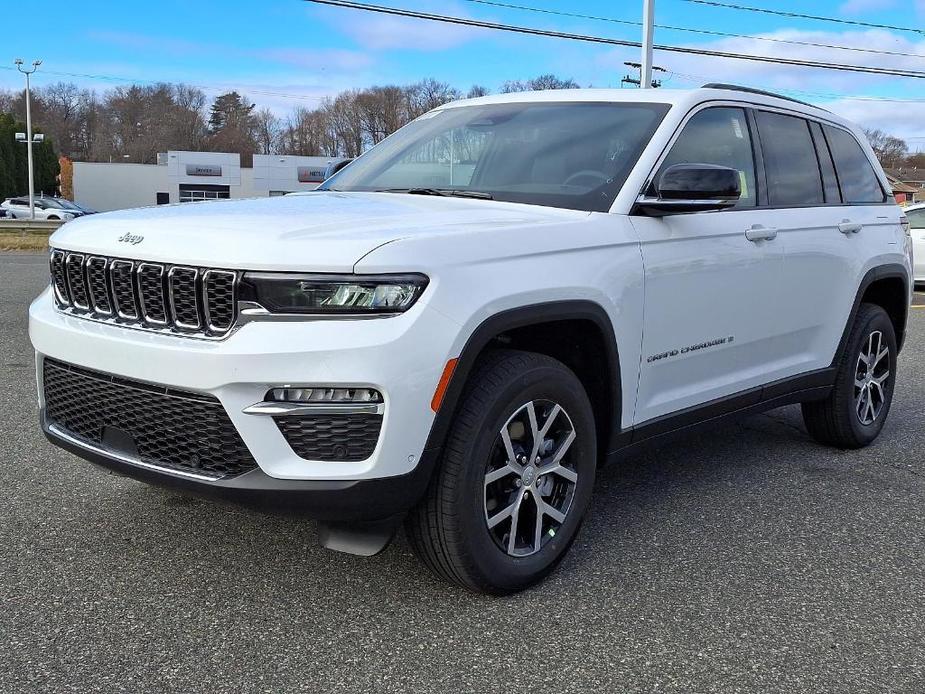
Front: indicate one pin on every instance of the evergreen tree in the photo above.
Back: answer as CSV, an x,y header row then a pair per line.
x,y
14,171
233,126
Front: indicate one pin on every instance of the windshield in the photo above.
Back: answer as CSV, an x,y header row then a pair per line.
x,y
572,155
58,203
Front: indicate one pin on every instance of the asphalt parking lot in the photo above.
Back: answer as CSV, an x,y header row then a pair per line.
x,y
745,559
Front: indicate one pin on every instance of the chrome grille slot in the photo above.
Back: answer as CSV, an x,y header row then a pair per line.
x,y
184,299
158,297
76,282
218,288
151,293
59,278
98,285
123,288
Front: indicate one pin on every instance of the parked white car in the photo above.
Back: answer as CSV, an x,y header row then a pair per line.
x,y
45,208
460,326
916,216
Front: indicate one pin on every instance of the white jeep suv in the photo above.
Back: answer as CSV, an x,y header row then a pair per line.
x,y
462,324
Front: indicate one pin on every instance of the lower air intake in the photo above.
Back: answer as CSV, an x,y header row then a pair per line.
x,y
177,430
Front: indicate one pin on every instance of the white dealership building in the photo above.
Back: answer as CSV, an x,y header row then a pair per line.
x,y
189,176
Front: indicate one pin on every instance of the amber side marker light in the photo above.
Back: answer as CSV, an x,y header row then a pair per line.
x,y
443,384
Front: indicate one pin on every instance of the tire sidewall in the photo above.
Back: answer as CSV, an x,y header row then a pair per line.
x,y
502,571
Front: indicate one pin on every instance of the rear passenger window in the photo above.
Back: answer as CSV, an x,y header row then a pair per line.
x,y
859,183
718,136
826,166
789,160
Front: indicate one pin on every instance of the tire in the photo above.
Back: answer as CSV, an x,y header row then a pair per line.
x,y
854,413
54,217
450,529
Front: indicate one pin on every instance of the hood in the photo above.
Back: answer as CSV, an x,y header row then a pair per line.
x,y
316,231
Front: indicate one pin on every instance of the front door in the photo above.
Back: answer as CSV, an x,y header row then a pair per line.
x,y
711,327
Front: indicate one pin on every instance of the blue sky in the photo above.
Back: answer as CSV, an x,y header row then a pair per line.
x,y
287,53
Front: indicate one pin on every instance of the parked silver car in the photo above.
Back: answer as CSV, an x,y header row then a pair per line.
x,y
45,208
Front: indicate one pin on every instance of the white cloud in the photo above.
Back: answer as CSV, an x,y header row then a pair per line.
x,y
378,32
904,120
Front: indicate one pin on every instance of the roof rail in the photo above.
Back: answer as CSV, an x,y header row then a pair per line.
x,y
752,90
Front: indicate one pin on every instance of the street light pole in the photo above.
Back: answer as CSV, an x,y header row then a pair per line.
x,y
648,35
27,73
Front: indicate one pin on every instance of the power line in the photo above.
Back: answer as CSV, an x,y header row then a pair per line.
x,y
798,15
463,21
128,80
700,79
686,76
690,30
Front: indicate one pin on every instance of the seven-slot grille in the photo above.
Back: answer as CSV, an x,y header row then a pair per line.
x,y
155,296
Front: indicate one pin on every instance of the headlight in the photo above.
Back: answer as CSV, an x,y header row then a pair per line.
x,y
332,294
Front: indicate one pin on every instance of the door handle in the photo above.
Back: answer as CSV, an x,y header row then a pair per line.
x,y
849,227
760,233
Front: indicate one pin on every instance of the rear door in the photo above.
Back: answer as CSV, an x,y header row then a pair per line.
x,y
822,217
711,321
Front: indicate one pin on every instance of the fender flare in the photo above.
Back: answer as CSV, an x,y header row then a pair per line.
x,y
520,317
880,272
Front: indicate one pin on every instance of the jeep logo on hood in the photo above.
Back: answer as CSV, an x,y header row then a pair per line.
x,y
133,239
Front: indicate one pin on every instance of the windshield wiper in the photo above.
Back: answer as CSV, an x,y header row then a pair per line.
x,y
443,192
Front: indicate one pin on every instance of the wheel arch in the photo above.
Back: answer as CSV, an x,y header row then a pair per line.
x,y
888,287
525,328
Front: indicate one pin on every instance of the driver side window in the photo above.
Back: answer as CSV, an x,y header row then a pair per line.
x,y
718,136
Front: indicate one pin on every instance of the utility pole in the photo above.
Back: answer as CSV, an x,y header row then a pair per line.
x,y
627,79
27,73
648,36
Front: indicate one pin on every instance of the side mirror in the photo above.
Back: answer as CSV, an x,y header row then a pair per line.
x,y
334,168
692,188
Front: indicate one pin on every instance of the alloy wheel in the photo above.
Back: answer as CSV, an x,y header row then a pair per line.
x,y
871,375
530,481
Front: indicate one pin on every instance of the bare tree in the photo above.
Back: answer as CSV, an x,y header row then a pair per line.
x,y
308,132
383,110
540,83
267,130
890,150
477,90
188,131
346,123
427,95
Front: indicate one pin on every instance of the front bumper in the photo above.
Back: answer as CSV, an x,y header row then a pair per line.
x,y
323,500
402,357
